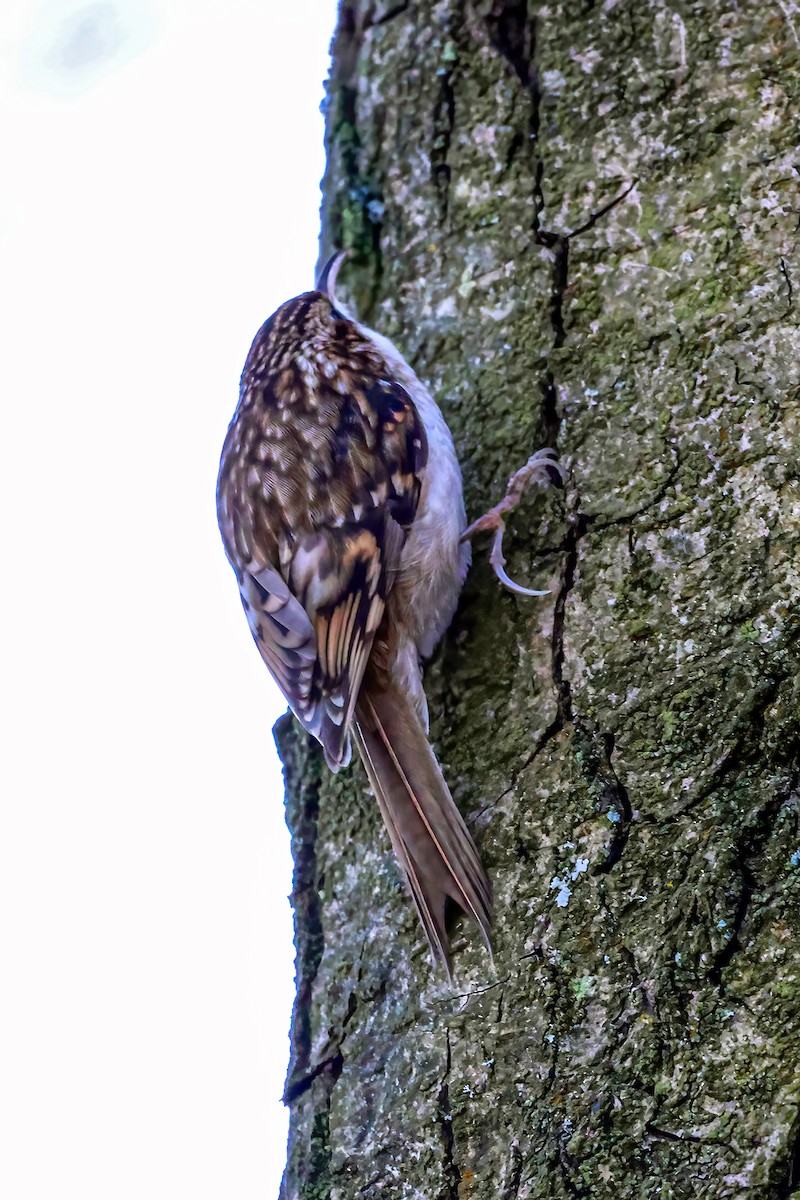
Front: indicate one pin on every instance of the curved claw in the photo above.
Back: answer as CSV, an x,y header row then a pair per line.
x,y
498,566
543,468
509,584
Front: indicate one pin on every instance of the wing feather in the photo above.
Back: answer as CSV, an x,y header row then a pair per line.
x,y
320,477
285,637
339,576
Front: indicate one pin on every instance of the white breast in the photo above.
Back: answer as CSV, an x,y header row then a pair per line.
x,y
434,563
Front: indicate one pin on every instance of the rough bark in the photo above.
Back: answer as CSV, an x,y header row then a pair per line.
x,y
626,752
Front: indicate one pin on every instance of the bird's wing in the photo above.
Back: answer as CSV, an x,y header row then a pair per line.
x,y
316,632
340,577
285,637
314,525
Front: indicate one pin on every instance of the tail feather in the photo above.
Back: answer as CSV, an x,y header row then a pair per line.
x,y
430,839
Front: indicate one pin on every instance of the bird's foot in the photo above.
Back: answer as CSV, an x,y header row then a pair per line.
x,y
543,469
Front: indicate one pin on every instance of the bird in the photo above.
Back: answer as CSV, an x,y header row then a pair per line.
x,y
341,509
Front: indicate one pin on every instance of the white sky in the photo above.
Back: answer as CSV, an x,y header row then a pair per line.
x,y
160,166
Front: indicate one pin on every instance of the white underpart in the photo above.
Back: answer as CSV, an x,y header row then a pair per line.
x,y
433,562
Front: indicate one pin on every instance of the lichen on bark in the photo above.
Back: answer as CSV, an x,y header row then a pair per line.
x,y
626,751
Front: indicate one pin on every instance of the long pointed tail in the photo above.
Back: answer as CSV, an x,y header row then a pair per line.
x,y
428,833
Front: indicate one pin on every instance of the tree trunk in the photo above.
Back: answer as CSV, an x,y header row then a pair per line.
x,y
626,750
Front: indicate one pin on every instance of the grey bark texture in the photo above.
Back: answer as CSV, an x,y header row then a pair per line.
x,y
625,751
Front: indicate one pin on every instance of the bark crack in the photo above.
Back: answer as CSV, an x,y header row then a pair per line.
x,y
514,1179
667,1135
615,796
789,288
560,243
742,733
490,987
751,847
330,1064
563,686
444,114
599,746
452,1175
512,33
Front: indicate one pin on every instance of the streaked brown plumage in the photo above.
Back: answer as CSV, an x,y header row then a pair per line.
x,y
341,510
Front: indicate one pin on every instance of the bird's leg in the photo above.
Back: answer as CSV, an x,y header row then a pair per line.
x,y
543,469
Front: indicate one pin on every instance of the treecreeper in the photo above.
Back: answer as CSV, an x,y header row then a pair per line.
x,y
341,509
